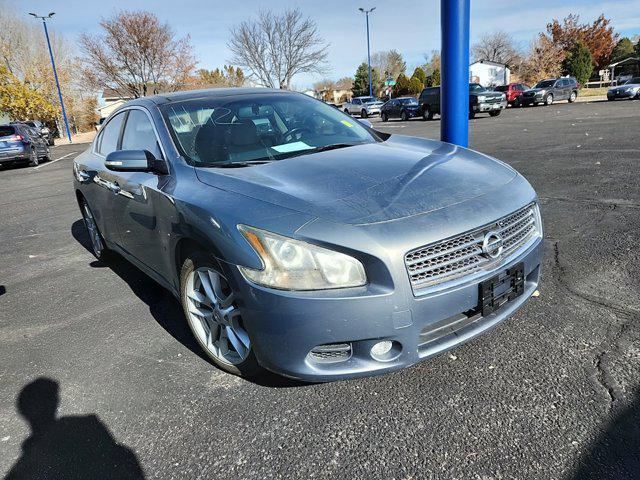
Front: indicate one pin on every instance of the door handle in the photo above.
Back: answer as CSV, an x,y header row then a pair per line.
x,y
83,175
115,188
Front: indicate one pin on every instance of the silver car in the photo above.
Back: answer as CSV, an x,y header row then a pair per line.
x,y
363,106
630,89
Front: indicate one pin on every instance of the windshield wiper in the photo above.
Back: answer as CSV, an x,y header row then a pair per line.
x,y
236,164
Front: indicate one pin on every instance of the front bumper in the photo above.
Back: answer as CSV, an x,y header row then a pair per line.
x,y
622,94
373,110
285,326
532,100
489,107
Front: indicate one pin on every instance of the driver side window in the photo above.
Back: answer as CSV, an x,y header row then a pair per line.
x,y
109,135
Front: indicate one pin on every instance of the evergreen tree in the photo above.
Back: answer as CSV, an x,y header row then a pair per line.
x,y
361,81
623,49
578,63
402,86
420,75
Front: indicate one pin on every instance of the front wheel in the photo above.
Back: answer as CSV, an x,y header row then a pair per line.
x,y
98,247
346,110
472,113
384,117
363,113
495,113
214,318
404,117
548,101
572,97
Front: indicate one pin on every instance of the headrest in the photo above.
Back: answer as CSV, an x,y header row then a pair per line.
x,y
243,133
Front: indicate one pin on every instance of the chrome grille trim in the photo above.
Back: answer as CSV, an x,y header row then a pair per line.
x,y
461,255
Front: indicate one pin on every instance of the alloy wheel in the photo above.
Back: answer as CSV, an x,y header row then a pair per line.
x,y
214,318
94,234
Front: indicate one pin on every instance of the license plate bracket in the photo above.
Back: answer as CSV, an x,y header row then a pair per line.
x,y
500,289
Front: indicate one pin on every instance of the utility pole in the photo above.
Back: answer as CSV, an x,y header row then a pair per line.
x,y
367,12
55,73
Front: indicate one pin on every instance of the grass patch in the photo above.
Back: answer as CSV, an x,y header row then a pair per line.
x,y
593,92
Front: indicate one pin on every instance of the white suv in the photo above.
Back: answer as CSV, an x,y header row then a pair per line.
x,y
363,106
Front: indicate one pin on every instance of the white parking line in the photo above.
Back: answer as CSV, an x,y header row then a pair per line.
x,y
56,160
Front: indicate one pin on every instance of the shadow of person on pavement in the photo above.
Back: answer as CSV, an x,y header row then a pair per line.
x,y
70,447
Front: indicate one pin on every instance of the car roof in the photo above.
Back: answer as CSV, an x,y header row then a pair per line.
x,y
164,98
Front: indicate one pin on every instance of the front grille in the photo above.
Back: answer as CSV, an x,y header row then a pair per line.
x,y
462,255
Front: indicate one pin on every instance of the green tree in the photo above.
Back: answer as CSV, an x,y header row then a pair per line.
x,y
402,86
578,62
420,74
361,80
415,86
433,80
623,49
638,48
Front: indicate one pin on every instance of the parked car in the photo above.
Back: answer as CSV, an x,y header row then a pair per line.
x,y
631,89
403,108
552,90
363,106
20,143
299,240
513,92
42,129
480,100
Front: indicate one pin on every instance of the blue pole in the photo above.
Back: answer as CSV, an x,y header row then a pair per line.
x,y
55,74
369,57
454,91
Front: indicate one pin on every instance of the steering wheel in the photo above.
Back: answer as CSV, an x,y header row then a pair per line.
x,y
295,134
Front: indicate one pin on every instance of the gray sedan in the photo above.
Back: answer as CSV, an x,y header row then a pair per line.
x,y
629,90
303,241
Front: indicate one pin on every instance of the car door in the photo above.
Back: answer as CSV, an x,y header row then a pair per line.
x,y
98,181
394,110
38,141
354,106
139,193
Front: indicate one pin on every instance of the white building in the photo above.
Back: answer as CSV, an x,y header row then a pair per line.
x,y
489,74
112,100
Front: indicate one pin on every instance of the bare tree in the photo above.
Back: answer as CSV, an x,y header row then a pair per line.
x,y
389,63
543,61
136,55
497,47
275,48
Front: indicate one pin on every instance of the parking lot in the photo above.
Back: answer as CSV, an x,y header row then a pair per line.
x,y
553,393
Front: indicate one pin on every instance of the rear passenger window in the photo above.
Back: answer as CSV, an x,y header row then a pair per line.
x,y
110,133
139,134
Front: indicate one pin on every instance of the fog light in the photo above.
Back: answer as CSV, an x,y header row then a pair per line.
x,y
381,349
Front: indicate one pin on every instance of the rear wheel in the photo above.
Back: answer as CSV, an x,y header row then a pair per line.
x,y
384,117
33,158
472,113
572,97
404,116
214,318
363,113
346,110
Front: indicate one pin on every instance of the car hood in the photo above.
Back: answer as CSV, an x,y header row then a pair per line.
x,y
625,86
373,104
369,183
536,90
487,93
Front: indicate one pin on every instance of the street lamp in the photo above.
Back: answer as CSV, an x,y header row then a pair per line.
x,y
367,12
55,73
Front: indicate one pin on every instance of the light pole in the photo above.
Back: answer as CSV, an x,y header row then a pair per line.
x,y
55,73
366,13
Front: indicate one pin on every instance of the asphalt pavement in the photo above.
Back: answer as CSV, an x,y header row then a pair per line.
x,y
553,393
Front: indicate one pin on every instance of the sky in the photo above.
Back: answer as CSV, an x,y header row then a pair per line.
x,y
410,26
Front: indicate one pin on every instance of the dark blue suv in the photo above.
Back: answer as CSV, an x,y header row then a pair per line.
x,y
21,143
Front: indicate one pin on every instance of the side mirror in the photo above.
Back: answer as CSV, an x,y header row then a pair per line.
x,y
134,161
365,122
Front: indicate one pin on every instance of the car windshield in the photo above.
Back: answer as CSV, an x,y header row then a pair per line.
x,y
545,84
368,99
476,87
408,101
632,81
257,128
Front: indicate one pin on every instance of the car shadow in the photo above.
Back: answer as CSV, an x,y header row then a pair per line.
x,y
71,447
164,307
615,454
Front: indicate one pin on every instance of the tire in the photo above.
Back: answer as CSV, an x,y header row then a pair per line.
x,y
427,114
363,113
404,117
216,325
384,117
572,97
50,142
517,103
472,113
346,110
33,158
548,100
98,245
47,156
495,113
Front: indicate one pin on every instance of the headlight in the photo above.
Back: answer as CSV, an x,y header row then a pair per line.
x,y
503,98
290,264
481,98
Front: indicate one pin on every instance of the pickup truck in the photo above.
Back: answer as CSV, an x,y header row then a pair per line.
x,y
480,100
363,106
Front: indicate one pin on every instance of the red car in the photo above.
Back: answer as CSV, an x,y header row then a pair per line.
x,y
513,91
